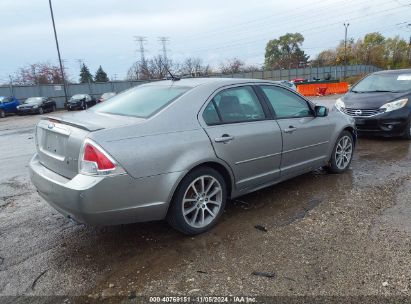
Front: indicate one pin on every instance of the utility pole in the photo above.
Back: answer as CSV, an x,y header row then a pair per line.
x,y
346,25
409,50
58,51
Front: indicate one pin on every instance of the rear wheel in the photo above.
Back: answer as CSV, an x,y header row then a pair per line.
x,y
2,114
342,153
198,202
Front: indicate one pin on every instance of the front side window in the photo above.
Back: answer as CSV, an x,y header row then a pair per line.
x,y
285,103
238,104
141,101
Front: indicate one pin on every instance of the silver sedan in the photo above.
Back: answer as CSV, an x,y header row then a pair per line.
x,y
177,150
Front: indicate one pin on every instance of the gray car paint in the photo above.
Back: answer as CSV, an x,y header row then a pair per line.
x,y
158,152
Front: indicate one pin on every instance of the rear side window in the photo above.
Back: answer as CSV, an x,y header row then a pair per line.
x,y
239,104
285,103
142,101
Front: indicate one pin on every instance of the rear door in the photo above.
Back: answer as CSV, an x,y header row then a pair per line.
x,y
305,137
242,135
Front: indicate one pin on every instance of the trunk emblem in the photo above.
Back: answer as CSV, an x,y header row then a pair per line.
x,y
51,125
358,112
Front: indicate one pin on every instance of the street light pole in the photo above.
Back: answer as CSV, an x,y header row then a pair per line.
x,y
58,51
346,25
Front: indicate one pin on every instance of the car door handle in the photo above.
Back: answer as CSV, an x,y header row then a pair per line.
x,y
224,138
290,129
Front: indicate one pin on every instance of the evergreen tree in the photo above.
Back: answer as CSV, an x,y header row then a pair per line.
x,y
85,75
101,76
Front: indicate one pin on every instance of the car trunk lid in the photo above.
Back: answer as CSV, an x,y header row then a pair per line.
x,y
59,139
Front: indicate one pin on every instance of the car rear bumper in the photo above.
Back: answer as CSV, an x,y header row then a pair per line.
x,y
107,200
388,124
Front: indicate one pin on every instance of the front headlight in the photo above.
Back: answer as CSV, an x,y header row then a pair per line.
x,y
339,104
394,105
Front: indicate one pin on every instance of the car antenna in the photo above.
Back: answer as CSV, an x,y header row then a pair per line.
x,y
173,78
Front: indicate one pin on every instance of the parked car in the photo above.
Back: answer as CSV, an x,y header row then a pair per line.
x,y
288,84
36,105
177,150
380,103
80,102
106,96
8,105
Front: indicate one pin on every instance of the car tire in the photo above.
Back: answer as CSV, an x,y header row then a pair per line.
x,y
2,114
342,154
53,109
407,132
41,111
198,202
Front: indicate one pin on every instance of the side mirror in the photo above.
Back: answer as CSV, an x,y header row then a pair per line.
x,y
321,111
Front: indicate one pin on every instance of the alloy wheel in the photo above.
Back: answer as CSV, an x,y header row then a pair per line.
x,y
343,153
202,201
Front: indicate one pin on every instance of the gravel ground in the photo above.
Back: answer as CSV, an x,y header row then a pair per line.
x,y
319,234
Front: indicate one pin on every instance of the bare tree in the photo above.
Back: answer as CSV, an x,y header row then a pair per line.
x,y
233,65
194,67
39,73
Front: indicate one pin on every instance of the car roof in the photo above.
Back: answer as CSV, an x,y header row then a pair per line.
x,y
401,71
193,82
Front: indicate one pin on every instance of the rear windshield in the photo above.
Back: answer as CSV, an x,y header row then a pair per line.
x,y
142,101
384,82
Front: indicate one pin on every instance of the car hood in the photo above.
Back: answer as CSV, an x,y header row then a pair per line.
x,y
28,105
93,121
370,100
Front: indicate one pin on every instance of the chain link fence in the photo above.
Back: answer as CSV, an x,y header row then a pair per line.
x,y
96,89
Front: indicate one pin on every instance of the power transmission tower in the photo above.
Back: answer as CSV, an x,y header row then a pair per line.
x,y
163,41
141,40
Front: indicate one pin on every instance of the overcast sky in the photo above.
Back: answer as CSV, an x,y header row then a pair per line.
x,y
101,31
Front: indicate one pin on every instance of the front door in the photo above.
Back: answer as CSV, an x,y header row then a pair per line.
x,y
243,136
305,137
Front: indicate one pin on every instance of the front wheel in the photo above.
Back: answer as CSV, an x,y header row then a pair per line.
x,y
342,153
198,202
407,132
53,108
2,114
41,111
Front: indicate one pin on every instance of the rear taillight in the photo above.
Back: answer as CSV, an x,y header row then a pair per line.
x,y
95,161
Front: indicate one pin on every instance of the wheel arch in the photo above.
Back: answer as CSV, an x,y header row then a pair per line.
x,y
221,168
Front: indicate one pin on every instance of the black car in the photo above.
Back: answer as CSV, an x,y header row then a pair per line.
x,y
380,103
36,105
80,102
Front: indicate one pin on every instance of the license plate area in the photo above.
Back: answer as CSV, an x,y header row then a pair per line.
x,y
359,121
53,142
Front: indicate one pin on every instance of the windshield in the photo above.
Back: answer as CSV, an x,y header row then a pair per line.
x,y
142,101
33,100
78,96
384,82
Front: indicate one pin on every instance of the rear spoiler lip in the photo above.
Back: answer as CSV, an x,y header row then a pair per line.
x,y
73,123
